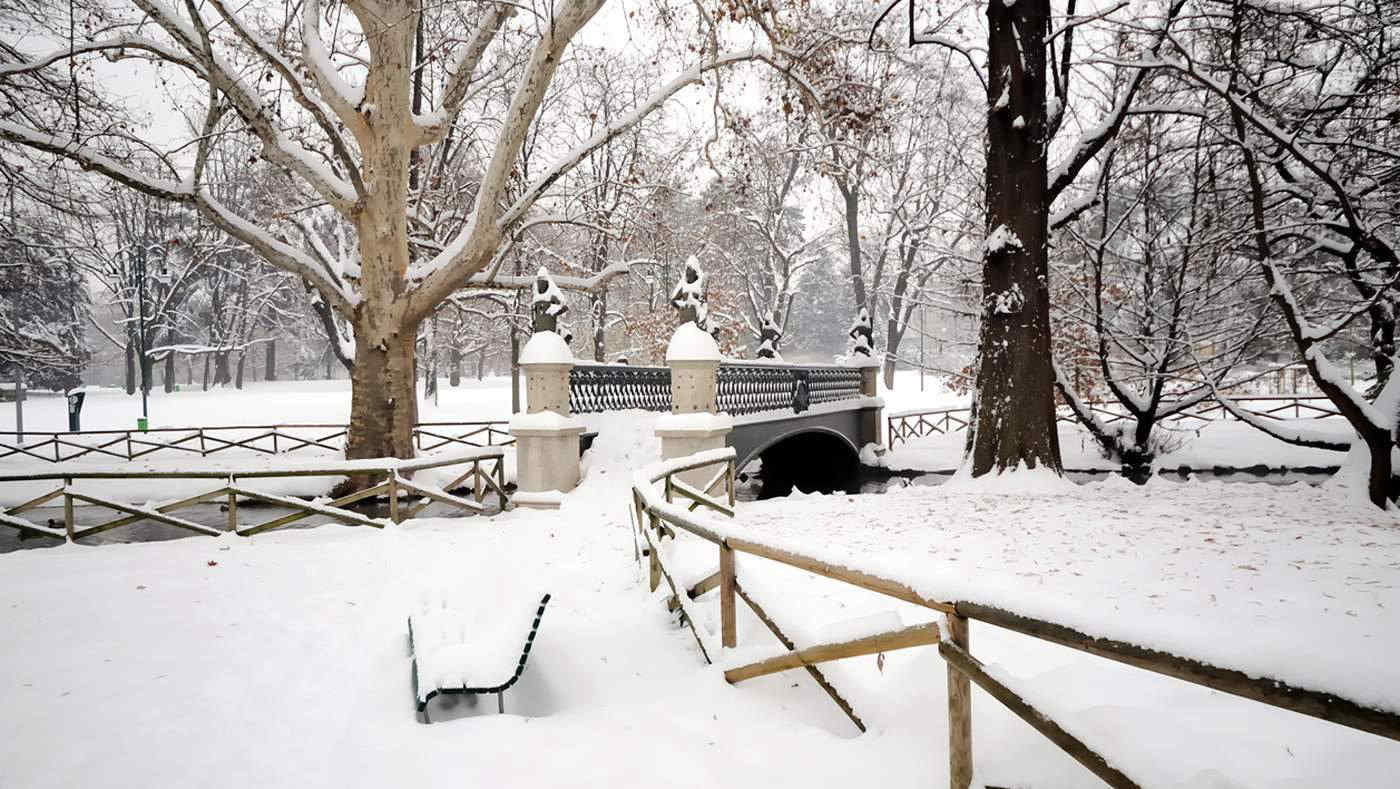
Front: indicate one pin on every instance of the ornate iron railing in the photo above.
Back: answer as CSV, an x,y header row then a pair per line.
x,y
614,387
751,388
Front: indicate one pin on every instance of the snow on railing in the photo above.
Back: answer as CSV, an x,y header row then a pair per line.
x,y
918,423
479,479
658,517
59,447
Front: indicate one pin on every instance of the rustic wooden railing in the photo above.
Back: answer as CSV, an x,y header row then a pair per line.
x,y
205,441
486,473
658,516
904,425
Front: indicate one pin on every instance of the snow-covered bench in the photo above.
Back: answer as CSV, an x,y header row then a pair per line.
x,y
454,652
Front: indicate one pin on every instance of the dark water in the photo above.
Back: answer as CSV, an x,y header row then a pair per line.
x,y
753,487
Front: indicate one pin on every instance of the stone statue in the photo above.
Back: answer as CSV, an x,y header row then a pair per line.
x,y
546,302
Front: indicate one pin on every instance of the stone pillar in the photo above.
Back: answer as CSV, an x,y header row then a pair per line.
x,y
546,436
872,420
694,423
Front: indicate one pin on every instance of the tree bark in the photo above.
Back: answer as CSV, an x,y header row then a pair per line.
x,y
168,374
130,367
1015,379
238,376
221,371
270,362
454,375
383,398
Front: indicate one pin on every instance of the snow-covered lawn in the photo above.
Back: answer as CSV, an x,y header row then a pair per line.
x,y
284,662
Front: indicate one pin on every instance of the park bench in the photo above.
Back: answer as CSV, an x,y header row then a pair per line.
x,y
453,655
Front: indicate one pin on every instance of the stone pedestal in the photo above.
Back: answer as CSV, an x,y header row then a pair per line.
x,y
873,419
694,423
546,436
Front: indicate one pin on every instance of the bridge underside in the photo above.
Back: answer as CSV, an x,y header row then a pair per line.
x,y
814,452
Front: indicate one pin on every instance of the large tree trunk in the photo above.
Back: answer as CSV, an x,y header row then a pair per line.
x,y
1015,379
270,362
130,366
168,374
221,371
383,398
893,337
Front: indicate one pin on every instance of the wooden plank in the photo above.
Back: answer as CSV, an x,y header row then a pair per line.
x,y
864,580
24,524
1273,692
959,660
959,711
307,508
679,486
917,635
727,625
340,502
657,567
36,501
440,496
146,512
167,507
815,673
707,583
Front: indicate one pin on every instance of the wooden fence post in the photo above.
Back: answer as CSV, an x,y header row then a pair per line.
x,y
728,636
959,711
394,496
232,508
655,562
729,481
67,508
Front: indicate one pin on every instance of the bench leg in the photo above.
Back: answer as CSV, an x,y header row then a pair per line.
x,y
501,702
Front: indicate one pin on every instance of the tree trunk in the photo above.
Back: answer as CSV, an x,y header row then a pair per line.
x,y
454,375
893,337
130,366
204,384
238,376
1015,379
270,362
147,371
481,363
514,373
168,373
221,371
600,316
383,398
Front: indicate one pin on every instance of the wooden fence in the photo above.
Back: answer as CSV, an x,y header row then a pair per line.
x,y
485,472
904,425
206,441
658,516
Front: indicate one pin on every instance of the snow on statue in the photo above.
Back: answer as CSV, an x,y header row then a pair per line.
x,y
689,295
547,303
769,337
860,334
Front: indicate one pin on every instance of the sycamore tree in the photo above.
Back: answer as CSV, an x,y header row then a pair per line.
x,y
328,93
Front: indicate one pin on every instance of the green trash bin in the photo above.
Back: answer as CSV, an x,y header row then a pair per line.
x,y
141,423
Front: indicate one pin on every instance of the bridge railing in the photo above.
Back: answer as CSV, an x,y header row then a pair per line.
x,y
616,387
658,516
59,447
904,425
747,388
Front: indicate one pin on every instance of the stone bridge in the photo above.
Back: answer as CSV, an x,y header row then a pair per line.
x,y
806,424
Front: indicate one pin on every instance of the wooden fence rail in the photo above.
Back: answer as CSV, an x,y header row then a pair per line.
x,y
904,425
484,472
206,441
657,516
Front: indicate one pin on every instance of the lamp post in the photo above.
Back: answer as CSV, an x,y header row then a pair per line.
x,y
141,365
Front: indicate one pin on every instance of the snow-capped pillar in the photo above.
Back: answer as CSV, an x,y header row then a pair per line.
x,y
872,418
546,436
694,423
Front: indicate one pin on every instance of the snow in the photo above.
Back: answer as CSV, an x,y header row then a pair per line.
x,y
699,421
691,344
546,347
290,647
472,636
543,420
1002,240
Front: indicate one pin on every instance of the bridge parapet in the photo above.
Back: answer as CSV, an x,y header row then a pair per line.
x,y
594,388
748,387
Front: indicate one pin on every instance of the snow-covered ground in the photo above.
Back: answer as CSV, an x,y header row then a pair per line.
x,y
282,659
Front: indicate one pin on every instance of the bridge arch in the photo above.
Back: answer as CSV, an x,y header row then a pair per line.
x,y
809,458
